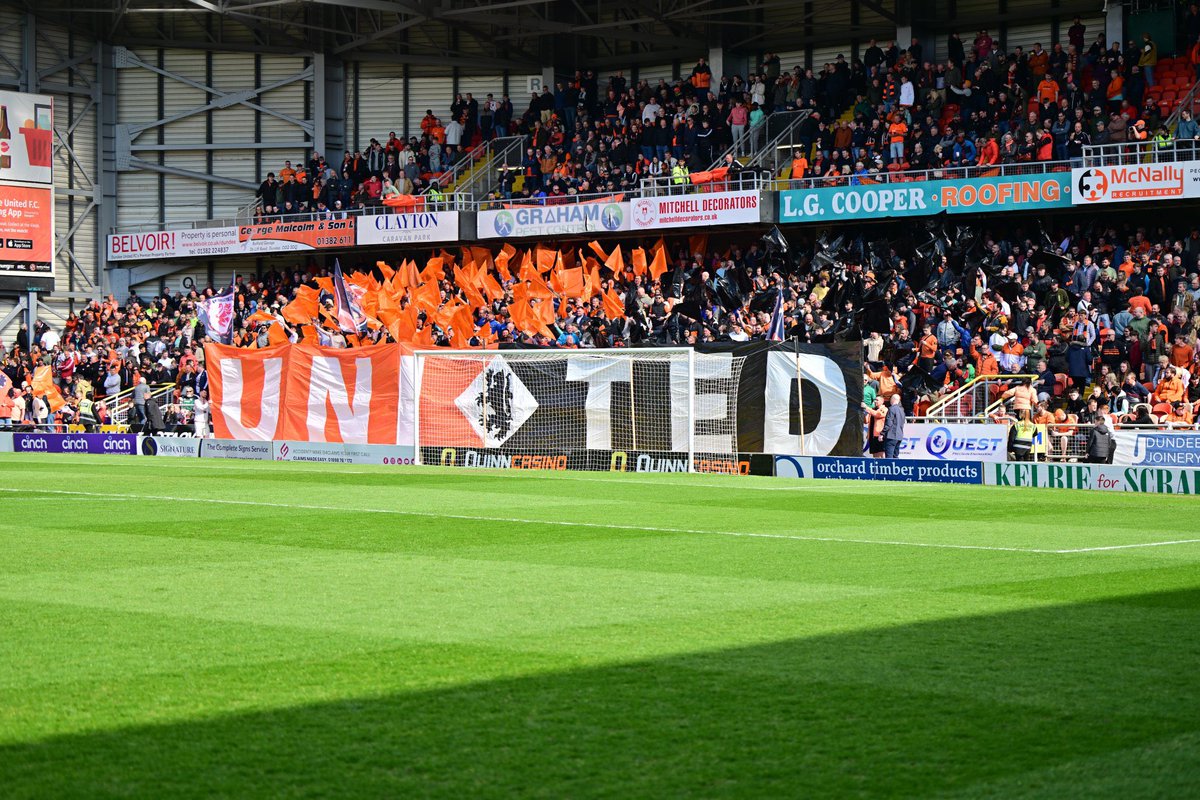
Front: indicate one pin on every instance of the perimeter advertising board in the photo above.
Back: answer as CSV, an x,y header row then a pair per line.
x,y
1157,448
688,210
1101,477
124,444
553,220
925,198
878,469
370,229
954,442
344,453
1136,183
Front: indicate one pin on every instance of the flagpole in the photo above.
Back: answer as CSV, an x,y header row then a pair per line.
x,y
800,396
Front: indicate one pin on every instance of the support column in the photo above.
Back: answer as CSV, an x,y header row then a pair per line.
x,y
112,281
31,303
1114,23
716,62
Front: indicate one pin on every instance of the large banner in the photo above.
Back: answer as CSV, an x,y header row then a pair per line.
x,y
955,442
498,411
553,220
925,198
1157,448
1136,183
688,210
313,394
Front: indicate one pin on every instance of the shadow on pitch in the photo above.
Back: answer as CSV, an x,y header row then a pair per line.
x,y
918,709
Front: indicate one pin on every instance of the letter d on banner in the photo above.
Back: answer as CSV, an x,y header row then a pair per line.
x,y
822,425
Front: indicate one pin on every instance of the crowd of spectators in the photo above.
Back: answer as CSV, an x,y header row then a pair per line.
x,y
892,108
1096,312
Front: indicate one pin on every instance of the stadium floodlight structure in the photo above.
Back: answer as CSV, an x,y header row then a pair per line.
x,y
657,409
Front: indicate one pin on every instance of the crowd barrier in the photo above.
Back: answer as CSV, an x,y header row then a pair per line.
x,y
1094,477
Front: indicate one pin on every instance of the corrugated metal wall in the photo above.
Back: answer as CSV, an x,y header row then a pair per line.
x,y
146,196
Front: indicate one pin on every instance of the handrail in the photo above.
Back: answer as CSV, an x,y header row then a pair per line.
x,y
1119,154
938,174
968,388
502,154
776,126
665,185
1188,101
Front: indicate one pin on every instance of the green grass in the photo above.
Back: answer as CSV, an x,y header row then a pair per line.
x,y
266,646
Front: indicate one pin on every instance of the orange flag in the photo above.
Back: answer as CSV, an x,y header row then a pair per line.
x,y
505,255
303,308
465,279
277,335
639,261
492,288
546,259
698,244
433,270
463,323
615,261
527,271
482,256
408,277
406,325
598,250
260,316
43,385
423,337
428,298
572,281
484,334
594,280
325,284
659,265
445,315
614,308
538,287
385,269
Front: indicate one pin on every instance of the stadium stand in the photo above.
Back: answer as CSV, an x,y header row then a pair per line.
x,y
1106,312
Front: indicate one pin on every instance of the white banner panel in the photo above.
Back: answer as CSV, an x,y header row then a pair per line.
x,y
231,448
1157,448
343,453
173,244
6,442
552,220
688,210
440,226
959,442
1136,183
172,446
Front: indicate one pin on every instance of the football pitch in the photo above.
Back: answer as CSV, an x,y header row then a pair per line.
x,y
183,628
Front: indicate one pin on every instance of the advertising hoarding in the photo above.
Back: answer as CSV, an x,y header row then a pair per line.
x,y
925,198
1136,183
553,220
687,210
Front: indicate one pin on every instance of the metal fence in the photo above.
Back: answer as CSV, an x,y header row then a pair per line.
x,y
1128,154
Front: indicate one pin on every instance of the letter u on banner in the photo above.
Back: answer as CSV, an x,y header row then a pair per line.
x,y
336,395
823,425
245,390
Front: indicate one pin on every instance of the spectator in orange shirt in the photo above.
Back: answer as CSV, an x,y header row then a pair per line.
x,y
897,132
927,350
1047,90
1170,389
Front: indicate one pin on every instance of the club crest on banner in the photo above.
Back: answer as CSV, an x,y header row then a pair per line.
x,y
496,403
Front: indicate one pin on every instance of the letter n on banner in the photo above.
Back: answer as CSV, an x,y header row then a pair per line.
x,y
336,395
245,390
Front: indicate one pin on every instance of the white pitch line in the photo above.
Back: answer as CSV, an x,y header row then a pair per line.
x,y
1128,546
523,521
